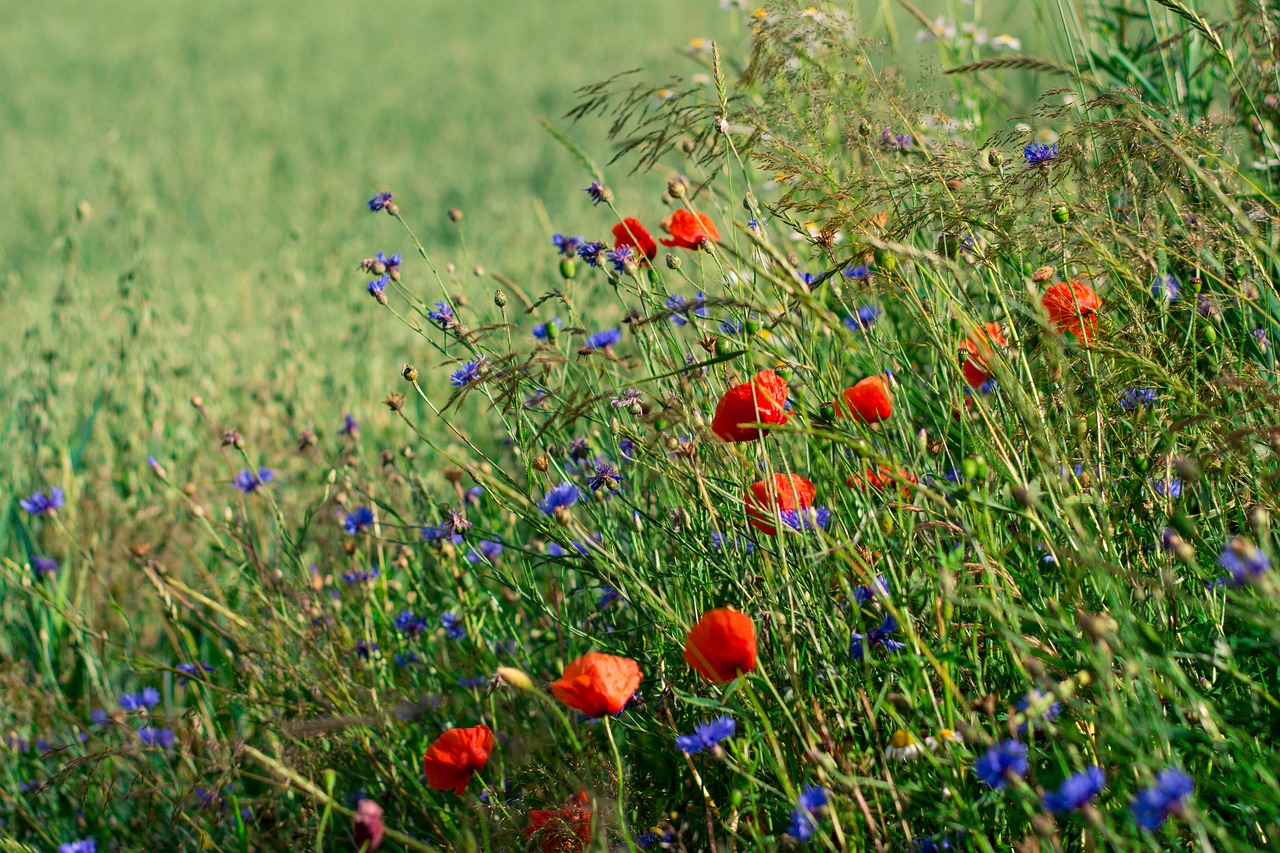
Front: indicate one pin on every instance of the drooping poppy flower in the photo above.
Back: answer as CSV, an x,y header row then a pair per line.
x,y
766,500
629,232
763,400
563,830
367,828
1060,303
880,478
977,350
868,401
597,684
689,230
722,645
455,755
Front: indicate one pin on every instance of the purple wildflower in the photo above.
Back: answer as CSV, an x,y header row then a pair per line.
x,y
249,482
1167,796
37,504
1076,791
1000,761
877,637
358,520
562,496
1037,155
381,201
707,735
603,338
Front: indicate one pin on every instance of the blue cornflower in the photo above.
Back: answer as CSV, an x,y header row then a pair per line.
x,y
1009,757
189,670
1076,791
627,447
877,637
603,338
564,495
621,258
507,647
99,717
381,201
350,426
584,548
540,330
453,627
1036,154
358,520
937,844
1166,287
88,845
146,699
858,273
1165,797
364,649
568,246
863,594
808,277
732,327
598,192
707,735
468,373
682,307
590,252
43,566
895,141
471,497
1171,488
391,264
442,315
361,575
405,659
489,549
607,476
408,622
864,319
608,595
437,532
578,448
157,737
554,549
249,482
474,682
809,519
1134,398
377,286
719,540
1244,560
37,504
804,821
1035,697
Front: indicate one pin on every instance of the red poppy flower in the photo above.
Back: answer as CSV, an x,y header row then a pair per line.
x,y
978,349
880,478
563,830
869,400
1060,303
629,232
598,684
722,645
455,755
787,492
689,230
760,401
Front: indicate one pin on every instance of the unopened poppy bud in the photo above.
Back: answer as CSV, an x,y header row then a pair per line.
x,y
1043,274
673,262
753,327
553,332
995,158
1062,214
454,214
782,370
675,189
885,260
827,412
516,678
568,268
409,372
500,298
197,402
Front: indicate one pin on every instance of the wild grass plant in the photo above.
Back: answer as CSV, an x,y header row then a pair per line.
x,y
916,490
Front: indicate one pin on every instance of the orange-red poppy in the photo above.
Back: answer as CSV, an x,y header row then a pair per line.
x,y
629,232
563,830
689,230
880,478
978,349
1060,303
763,400
722,645
868,401
597,684
766,499
455,755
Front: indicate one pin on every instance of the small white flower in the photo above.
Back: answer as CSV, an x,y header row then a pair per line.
x,y
945,736
902,747
1004,41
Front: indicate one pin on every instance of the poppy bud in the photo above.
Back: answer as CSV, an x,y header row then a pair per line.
x,y
568,268
367,829
676,189
454,214
409,372
515,678
827,412
722,645
995,158
1062,214
1043,274
885,260
753,327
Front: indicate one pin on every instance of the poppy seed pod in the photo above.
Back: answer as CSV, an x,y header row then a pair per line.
x,y
722,645
763,400
868,401
451,759
598,684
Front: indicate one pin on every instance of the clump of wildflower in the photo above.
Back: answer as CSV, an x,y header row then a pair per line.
x,y
43,566
903,746
804,818
622,258
879,587
361,576
470,372
382,201
350,427
707,735
1037,155
559,497
810,518
603,339
682,308
590,252
358,520
408,622
37,503
442,315
1244,560
1170,488
489,549
453,627
248,481
87,845
861,272
627,399
1001,762
598,193
1076,791
1134,398
567,246
377,289
609,596
1166,797
876,637
895,141
1166,288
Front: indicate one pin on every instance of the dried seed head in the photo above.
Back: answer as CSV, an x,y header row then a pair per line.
x,y
1043,274
541,462
394,402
